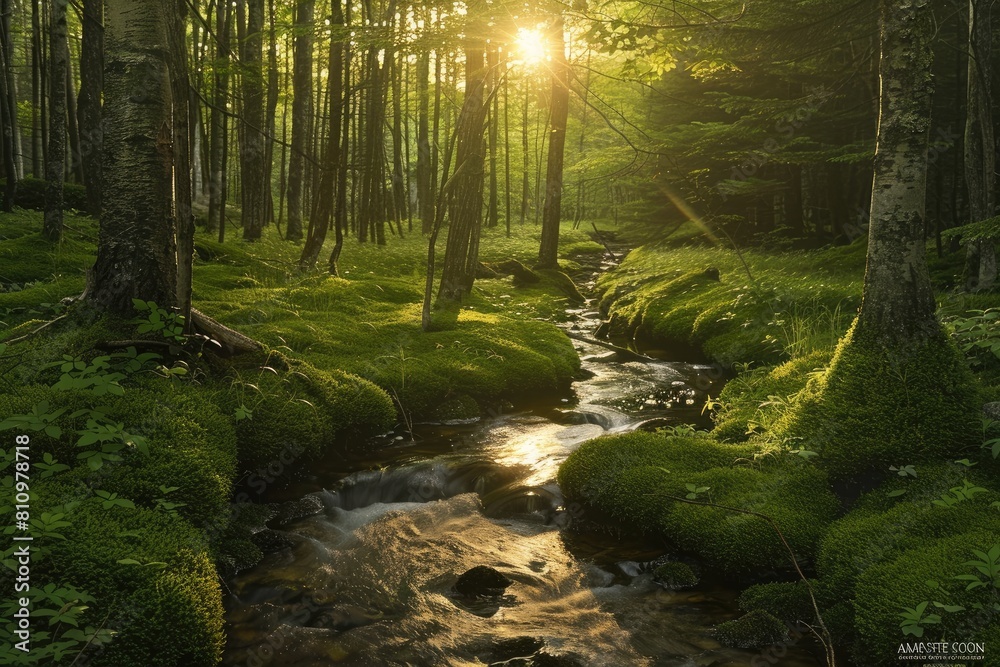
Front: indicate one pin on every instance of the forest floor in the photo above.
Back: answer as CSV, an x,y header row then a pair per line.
x,y
154,453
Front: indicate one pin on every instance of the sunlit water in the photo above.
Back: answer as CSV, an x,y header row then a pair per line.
x,y
369,581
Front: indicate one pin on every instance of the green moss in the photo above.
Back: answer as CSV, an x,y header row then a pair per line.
x,y
563,283
30,258
788,601
754,630
797,302
755,399
675,575
191,445
886,589
31,194
628,476
459,407
299,411
881,528
168,615
874,408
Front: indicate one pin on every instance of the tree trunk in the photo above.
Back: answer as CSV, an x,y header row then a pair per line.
x,y
898,301
8,110
37,93
89,103
424,197
493,207
55,156
75,170
269,114
253,151
399,194
340,215
180,86
218,120
302,109
136,253
548,252
466,197
980,155
319,221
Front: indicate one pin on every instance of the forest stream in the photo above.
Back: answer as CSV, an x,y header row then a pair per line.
x,y
370,577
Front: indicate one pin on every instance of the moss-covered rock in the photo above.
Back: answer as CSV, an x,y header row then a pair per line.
x,y
874,407
785,600
675,575
753,630
636,478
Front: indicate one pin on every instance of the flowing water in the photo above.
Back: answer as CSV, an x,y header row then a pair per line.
x,y
369,579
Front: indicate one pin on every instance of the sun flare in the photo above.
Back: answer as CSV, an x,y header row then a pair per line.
x,y
530,46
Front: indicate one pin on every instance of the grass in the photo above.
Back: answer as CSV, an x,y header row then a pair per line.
x,y
797,302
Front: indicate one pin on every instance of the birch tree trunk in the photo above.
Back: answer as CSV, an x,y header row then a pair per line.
x,y
897,389
136,252
898,302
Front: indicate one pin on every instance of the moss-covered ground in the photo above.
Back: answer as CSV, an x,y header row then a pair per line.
x,y
884,506
135,456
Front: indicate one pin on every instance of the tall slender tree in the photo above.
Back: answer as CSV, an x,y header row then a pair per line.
x,y
55,156
548,251
465,198
980,151
302,109
253,149
89,103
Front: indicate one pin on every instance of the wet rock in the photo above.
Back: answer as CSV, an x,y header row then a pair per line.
x,y
577,417
605,358
269,541
482,581
298,509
